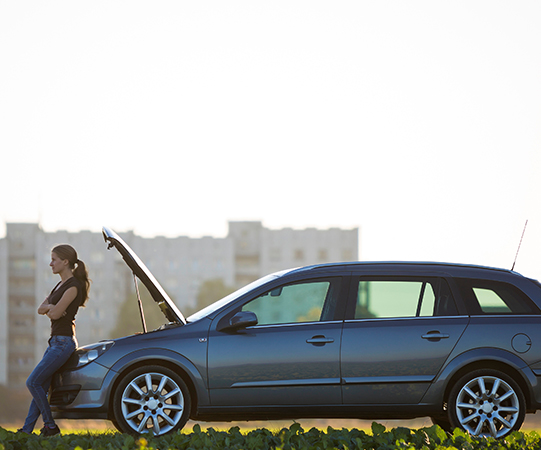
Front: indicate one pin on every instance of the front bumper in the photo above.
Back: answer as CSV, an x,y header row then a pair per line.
x,y
82,393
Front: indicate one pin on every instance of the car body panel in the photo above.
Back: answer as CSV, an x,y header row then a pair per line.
x,y
89,403
276,365
395,360
499,332
483,357
183,347
91,376
168,307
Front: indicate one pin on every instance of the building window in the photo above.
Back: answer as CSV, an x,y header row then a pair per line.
x,y
245,262
23,264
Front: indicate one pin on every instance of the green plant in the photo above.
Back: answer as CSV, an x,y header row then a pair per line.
x,y
292,438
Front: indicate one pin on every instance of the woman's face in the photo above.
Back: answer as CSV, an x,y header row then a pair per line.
x,y
58,264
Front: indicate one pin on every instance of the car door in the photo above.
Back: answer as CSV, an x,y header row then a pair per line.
x,y
399,332
291,357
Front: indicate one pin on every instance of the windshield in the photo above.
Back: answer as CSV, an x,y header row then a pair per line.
x,y
217,305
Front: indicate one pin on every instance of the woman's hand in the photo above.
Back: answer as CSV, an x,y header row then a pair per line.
x,y
57,311
55,318
45,307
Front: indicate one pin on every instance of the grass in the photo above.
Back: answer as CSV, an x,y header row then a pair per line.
x,y
532,423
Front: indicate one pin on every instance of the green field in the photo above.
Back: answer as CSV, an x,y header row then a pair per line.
x,y
294,437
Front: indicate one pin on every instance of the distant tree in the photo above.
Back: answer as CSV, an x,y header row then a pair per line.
x,y
211,291
129,319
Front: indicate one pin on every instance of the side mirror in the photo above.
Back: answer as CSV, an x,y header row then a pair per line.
x,y
242,319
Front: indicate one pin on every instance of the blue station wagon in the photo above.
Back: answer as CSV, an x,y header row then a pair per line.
x,y
385,340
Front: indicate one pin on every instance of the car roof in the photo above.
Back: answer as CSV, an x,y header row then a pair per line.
x,y
421,265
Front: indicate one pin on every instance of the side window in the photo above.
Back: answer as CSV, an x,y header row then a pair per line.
x,y
494,297
490,301
308,301
387,297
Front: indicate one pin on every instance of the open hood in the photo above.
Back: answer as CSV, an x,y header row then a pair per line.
x,y
169,309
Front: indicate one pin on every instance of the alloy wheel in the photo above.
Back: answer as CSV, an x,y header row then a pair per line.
x,y
487,405
152,402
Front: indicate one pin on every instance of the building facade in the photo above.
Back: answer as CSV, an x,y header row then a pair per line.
x,y
3,313
180,264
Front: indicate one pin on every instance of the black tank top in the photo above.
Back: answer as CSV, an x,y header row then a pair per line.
x,y
65,326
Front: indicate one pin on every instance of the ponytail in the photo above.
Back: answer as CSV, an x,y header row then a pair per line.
x,y
65,251
81,273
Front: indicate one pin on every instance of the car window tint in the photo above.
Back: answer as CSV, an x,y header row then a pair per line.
x,y
494,297
300,302
386,298
490,302
428,301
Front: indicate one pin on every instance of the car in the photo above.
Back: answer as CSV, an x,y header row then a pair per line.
x,y
458,343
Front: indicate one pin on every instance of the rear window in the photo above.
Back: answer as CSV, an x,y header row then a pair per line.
x,y
494,297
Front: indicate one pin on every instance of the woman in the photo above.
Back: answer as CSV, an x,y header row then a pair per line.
x,y
61,307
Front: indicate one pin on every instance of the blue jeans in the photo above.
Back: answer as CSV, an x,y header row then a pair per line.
x,y
38,383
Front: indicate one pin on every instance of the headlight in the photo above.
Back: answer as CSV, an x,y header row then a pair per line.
x,y
89,353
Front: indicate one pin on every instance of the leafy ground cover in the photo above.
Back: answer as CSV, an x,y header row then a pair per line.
x,y
292,438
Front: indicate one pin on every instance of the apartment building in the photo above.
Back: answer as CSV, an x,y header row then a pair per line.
x,y
180,264
260,251
3,312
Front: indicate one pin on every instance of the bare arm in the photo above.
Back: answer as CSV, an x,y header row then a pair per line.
x,y
45,307
57,311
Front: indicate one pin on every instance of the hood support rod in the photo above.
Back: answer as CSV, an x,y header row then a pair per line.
x,y
141,312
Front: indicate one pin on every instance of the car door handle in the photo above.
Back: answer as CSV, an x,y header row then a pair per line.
x,y
435,335
320,340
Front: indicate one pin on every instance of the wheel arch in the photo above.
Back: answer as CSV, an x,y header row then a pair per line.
x,y
183,368
484,358
508,369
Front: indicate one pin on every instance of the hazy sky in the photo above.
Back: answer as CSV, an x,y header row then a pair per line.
x,y
417,121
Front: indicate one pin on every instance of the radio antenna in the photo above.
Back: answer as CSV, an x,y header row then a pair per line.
x,y
519,244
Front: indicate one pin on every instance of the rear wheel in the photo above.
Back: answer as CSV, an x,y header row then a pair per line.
x,y
487,403
151,399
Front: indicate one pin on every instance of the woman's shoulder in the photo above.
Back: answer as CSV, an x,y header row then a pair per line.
x,y
73,282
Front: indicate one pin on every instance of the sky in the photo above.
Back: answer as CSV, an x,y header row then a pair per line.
x,y
416,121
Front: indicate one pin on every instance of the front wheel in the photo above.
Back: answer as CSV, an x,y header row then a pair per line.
x,y
443,422
487,403
151,399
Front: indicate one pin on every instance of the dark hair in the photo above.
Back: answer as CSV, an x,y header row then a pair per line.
x,y
66,251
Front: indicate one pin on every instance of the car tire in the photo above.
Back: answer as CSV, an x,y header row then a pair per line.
x,y
487,402
151,399
443,422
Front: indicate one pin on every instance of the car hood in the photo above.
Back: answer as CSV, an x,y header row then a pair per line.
x,y
169,309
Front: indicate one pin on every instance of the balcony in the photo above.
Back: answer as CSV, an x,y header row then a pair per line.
x,y
21,289
16,349
21,330
21,309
